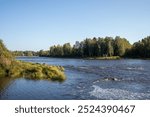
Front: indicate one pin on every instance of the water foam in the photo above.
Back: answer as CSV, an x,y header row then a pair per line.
x,y
112,93
135,68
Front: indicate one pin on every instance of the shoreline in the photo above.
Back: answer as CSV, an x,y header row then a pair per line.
x,y
89,58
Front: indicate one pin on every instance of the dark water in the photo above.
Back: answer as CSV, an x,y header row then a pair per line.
x,y
86,79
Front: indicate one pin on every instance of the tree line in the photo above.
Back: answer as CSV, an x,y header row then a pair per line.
x,y
96,47
140,49
92,48
25,53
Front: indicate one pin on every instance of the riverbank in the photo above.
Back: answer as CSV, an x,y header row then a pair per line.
x,y
10,67
104,58
88,58
33,71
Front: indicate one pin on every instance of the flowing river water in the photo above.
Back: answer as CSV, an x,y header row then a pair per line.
x,y
86,79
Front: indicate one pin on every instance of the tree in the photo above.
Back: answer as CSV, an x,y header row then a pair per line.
x,y
109,46
67,49
121,45
140,49
86,47
43,53
6,56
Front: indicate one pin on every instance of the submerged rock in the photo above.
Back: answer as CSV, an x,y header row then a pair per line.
x,y
111,79
106,79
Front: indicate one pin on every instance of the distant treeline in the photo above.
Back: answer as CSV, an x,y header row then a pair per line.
x,y
25,53
96,47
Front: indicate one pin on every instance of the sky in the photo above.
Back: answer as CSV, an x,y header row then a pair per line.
x,y
39,24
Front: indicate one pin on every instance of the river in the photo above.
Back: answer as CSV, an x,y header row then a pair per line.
x,y
86,79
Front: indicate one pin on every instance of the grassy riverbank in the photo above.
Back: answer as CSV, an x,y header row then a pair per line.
x,y
36,71
104,58
9,67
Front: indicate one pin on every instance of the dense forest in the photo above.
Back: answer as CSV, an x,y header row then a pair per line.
x,y
140,49
96,47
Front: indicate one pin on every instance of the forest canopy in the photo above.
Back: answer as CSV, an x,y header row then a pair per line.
x,y
140,49
96,47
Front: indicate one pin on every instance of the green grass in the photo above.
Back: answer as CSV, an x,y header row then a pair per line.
x,y
9,67
104,58
36,71
15,69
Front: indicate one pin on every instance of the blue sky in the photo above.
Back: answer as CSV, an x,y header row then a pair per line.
x,y
39,24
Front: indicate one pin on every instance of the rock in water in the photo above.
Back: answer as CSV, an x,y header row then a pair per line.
x,y
111,79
